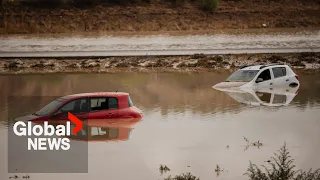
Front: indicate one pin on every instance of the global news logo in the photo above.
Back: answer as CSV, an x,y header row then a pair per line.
x,y
55,137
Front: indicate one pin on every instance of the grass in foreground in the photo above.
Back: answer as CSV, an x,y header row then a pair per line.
x,y
187,176
281,167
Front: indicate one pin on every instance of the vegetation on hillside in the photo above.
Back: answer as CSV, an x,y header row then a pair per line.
x,y
207,5
77,16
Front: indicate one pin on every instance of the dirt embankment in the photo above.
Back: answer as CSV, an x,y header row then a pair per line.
x,y
197,62
230,14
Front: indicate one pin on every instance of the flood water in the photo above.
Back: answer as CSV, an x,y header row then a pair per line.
x,y
187,125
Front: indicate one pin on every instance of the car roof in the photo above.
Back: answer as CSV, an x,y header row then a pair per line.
x,y
94,94
259,67
256,67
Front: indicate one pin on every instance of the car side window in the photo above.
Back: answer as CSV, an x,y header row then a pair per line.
x,y
83,107
113,103
265,75
98,104
279,72
75,106
68,107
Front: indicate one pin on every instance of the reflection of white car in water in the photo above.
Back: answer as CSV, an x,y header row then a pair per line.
x,y
271,85
265,97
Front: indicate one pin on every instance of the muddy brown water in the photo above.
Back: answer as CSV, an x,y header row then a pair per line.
x,y
187,124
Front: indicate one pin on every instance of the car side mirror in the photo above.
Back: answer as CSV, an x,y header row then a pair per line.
x,y
259,80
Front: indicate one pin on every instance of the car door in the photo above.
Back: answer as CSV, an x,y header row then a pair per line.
x,y
78,107
266,80
280,77
103,108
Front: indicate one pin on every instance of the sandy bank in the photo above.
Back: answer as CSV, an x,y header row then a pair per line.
x,y
197,62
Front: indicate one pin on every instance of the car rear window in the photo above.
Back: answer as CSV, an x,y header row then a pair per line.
x,y
279,72
130,102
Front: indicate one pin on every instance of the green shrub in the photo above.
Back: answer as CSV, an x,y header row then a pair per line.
x,y
125,2
187,176
175,3
281,168
43,3
85,3
209,5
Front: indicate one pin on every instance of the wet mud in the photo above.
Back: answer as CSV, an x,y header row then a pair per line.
x,y
196,62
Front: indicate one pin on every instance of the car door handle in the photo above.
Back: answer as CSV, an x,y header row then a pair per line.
x,y
110,114
287,79
271,83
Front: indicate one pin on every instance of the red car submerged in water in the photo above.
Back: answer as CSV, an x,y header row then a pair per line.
x,y
88,106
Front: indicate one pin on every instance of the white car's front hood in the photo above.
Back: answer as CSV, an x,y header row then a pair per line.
x,y
229,86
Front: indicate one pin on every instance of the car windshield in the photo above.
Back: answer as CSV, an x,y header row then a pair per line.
x,y
46,110
242,76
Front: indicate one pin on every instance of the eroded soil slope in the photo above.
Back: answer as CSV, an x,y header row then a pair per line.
x,y
230,14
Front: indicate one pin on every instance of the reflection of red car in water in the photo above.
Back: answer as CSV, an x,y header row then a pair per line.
x,y
101,130
105,130
93,106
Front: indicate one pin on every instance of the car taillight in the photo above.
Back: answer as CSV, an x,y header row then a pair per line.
x,y
297,92
297,77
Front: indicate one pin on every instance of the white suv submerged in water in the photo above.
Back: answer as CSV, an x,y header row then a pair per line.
x,y
261,77
268,85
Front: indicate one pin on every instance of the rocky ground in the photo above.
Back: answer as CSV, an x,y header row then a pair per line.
x,y
197,62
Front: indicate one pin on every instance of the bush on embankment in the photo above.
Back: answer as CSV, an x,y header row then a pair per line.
x,y
207,5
